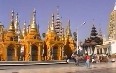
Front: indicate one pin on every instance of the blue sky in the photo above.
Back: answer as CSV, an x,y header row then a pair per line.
x,y
91,11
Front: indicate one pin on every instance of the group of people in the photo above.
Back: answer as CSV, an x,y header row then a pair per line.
x,y
87,59
77,58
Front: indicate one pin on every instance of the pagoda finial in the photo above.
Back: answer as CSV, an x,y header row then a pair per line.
x,y
69,23
16,23
100,32
12,14
38,29
16,16
48,27
12,27
24,29
57,10
33,23
52,18
58,16
52,25
68,29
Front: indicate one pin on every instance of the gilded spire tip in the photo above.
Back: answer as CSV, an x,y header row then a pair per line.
x,y
12,13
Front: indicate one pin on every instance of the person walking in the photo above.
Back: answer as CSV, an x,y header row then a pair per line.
x,y
87,58
73,57
77,60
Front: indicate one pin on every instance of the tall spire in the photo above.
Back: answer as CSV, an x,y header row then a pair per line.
x,y
115,6
100,33
12,28
24,29
48,30
38,31
93,32
68,29
38,28
58,22
33,22
16,24
58,15
52,24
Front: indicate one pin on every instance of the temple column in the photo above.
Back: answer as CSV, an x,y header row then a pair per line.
x,y
107,50
5,54
51,53
48,53
43,51
95,51
15,54
60,53
39,53
103,51
27,53
63,52
100,50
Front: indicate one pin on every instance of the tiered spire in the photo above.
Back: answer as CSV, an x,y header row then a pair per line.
x,y
93,32
12,27
58,22
33,23
17,28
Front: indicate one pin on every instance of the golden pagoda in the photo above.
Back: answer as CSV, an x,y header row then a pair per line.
x,y
26,44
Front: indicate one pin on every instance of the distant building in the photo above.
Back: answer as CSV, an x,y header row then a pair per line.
x,y
112,25
112,32
89,45
26,44
108,46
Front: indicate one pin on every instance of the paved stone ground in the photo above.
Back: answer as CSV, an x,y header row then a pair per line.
x,y
61,68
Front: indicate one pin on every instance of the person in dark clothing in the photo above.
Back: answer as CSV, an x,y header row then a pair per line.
x,y
77,58
73,57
